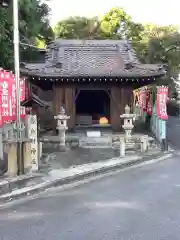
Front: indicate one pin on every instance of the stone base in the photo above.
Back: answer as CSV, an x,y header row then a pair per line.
x,y
130,145
27,157
63,148
12,160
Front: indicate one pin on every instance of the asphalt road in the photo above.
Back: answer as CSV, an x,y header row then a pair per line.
x,y
173,132
138,203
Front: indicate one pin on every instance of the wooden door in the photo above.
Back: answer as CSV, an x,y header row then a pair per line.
x,y
65,96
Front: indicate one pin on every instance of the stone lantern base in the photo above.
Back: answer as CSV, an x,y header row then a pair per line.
x,y
63,148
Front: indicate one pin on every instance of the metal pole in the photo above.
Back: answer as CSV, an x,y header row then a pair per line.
x,y
17,77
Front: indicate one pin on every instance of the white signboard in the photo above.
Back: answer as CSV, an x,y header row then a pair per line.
x,y
32,134
93,134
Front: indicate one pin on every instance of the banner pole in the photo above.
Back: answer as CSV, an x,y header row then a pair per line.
x,y
18,91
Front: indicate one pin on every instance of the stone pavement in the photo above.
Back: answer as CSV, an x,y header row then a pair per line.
x,y
52,174
85,150
85,157
75,157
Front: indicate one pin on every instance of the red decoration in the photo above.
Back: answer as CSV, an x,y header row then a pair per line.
x,y
22,96
6,79
157,102
149,102
143,99
1,121
161,102
140,98
8,97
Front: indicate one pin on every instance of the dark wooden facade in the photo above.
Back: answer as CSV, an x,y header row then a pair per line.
x,y
66,96
109,65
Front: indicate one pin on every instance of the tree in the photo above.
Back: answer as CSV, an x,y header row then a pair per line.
x,y
160,44
33,26
6,44
157,42
75,28
115,24
119,25
154,31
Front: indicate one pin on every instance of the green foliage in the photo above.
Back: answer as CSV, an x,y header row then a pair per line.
x,y
118,24
6,46
75,28
153,44
115,24
33,27
162,44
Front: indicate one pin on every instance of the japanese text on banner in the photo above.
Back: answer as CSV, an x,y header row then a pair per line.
x,y
8,96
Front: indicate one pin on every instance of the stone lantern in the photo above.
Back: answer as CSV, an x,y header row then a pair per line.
x,y
128,123
62,127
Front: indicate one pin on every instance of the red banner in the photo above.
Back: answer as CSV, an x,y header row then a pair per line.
x,y
158,102
143,99
22,96
1,121
149,102
8,97
161,102
6,79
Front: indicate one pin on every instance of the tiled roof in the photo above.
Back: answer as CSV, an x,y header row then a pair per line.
x,y
71,58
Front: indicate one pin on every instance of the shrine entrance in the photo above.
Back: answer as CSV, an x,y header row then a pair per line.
x,y
93,107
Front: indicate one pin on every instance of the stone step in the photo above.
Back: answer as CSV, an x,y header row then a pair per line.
x,y
91,142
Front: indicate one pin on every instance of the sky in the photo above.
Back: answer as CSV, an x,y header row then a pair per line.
x,y
160,12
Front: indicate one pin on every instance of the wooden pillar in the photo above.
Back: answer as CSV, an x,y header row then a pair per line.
x,y
70,106
120,96
58,96
115,108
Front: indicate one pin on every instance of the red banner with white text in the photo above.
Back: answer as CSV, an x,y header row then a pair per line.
x,y
8,97
161,102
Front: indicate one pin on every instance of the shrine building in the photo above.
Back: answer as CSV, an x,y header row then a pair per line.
x,y
92,79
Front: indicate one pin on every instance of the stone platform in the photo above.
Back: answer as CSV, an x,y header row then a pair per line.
x,y
84,150
107,140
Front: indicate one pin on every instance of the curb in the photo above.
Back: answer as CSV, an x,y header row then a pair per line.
x,y
7,186
82,176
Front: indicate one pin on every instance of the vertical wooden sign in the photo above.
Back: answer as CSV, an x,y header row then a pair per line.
x,y
32,134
